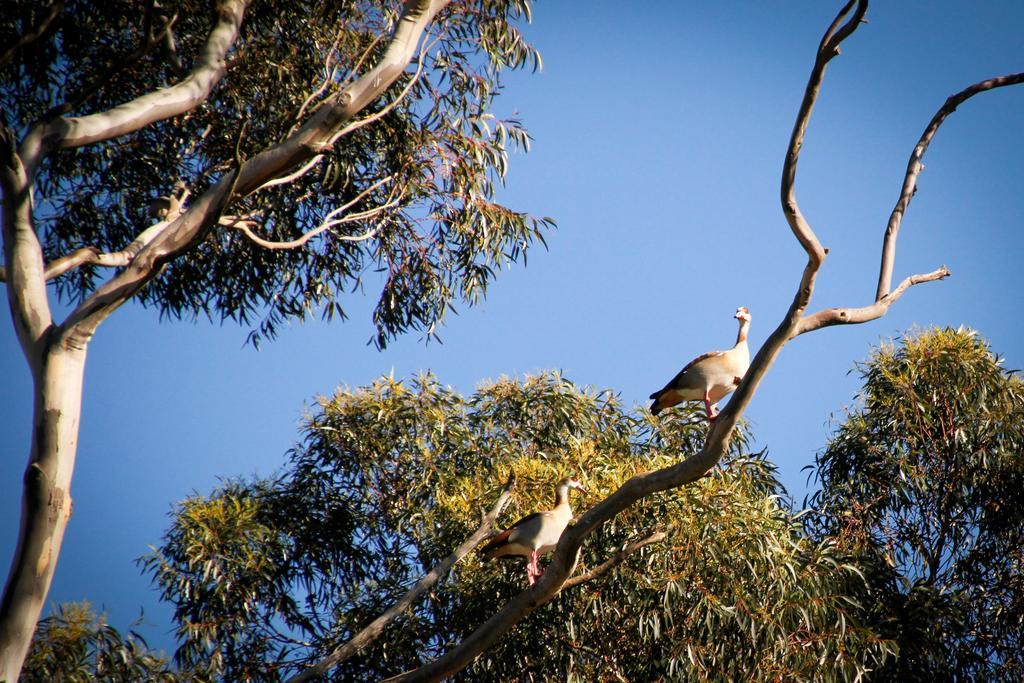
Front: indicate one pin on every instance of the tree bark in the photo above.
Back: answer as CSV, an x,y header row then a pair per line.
x,y
56,353
796,322
46,500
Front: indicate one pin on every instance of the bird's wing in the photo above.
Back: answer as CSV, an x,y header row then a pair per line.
x,y
702,357
505,536
679,381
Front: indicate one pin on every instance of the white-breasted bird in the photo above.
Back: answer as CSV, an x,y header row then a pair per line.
x,y
536,534
709,377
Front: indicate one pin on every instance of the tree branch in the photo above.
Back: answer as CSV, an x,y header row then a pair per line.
x,y
613,561
33,34
114,259
149,41
377,626
914,168
854,316
566,554
308,141
241,224
63,132
355,125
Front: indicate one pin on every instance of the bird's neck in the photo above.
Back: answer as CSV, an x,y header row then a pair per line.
x,y
562,496
742,335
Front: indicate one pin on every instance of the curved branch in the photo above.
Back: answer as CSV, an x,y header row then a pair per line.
x,y
161,104
33,34
614,561
914,168
853,316
285,179
149,41
566,554
330,221
305,143
93,256
377,626
827,50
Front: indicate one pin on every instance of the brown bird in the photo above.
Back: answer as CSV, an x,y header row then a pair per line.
x,y
536,534
709,377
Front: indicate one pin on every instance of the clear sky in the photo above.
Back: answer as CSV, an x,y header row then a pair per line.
x,y
658,140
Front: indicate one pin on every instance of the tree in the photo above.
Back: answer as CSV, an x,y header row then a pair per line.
x,y
237,160
74,645
924,481
798,320
268,576
300,147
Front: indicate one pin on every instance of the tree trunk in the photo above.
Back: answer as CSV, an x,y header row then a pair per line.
x,y
46,500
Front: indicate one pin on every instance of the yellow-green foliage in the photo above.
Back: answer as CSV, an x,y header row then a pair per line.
x,y
390,478
75,645
925,481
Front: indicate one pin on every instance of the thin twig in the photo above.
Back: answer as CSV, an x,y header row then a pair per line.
x,y
330,221
372,631
290,177
614,561
914,168
33,34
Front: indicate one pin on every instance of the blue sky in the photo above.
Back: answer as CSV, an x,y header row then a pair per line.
x,y
658,141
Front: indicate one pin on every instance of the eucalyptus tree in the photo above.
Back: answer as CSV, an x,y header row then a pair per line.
x,y
800,318
238,159
925,482
75,645
269,577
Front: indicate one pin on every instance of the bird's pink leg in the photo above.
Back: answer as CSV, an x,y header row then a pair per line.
x,y
532,570
707,406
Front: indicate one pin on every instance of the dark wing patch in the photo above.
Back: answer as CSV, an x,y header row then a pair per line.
x,y
502,538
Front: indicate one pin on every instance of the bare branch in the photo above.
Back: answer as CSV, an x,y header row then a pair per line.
x,y
146,109
149,41
853,316
914,168
377,626
827,50
355,125
564,559
566,554
330,221
614,561
59,266
33,34
115,259
284,180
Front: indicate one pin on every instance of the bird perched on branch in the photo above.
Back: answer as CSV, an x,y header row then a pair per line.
x,y
709,377
536,534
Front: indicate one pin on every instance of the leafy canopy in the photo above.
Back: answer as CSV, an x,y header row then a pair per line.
x,y
74,645
925,480
267,575
432,160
